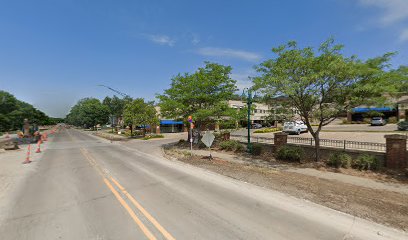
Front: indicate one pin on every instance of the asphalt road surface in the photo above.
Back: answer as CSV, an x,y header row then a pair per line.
x,y
88,188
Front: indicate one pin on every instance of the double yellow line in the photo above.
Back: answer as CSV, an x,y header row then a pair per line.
x,y
106,177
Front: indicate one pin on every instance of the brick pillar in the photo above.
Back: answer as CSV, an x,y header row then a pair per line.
x,y
396,151
280,139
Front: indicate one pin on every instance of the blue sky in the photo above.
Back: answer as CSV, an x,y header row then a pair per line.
x,y
53,53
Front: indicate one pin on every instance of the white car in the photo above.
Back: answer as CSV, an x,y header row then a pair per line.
x,y
296,127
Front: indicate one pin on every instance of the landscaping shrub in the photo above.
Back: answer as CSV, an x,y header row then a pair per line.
x,y
256,149
392,120
367,162
231,145
289,153
339,160
147,137
267,130
367,120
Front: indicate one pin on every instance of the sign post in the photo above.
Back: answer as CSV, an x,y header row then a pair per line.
x,y
208,140
190,120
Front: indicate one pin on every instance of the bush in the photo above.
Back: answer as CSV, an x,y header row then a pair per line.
x,y
256,149
367,162
339,160
288,153
231,145
392,120
345,121
367,120
147,137
267,130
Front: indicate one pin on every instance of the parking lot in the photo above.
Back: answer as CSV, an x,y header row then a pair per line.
x,y
350,132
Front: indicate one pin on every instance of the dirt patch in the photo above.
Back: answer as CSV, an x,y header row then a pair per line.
x,y
384,207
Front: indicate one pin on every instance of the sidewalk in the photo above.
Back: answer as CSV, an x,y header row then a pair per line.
x,y
358,181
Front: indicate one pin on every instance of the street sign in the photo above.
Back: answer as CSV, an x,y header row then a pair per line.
x,y
208,139
190,119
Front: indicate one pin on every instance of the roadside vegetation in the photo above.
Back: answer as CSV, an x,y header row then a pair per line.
x,y
13,112
323,83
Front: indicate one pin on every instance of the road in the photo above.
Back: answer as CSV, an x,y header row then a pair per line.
x,y
83,187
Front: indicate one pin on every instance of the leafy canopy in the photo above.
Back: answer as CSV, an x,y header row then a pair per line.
x,y
202,94
140,113
322,84
13,112
88,112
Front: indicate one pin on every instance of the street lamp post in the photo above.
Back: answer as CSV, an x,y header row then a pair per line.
x,y
247,92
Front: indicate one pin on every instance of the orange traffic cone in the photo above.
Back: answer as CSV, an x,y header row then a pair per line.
x,y
38,147
28,155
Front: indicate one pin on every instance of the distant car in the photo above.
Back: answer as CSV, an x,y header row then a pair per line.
x,y
296,127
403,126
256,125
378,121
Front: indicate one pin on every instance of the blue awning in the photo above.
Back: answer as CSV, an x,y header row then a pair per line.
x,y
170,122
363,110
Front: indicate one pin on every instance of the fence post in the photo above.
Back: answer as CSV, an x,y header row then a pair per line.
x,y
344,144
311,142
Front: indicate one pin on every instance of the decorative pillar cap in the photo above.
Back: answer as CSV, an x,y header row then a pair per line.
x,y
280,134
395,136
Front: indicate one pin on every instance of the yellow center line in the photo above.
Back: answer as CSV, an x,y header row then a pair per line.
x,y
132,214
146,231
166,234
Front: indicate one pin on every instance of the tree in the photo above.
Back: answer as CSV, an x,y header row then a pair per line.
x,y
321,84
116,106
202,94
13,112
140,113
88,112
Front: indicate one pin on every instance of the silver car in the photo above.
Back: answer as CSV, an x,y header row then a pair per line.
x,y
378,121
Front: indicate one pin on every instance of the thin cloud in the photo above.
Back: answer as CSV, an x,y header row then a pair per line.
x,y
160,39
243,79
195,39
394,11
231,53
404,35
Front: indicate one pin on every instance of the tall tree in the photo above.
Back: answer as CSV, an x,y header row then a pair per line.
x,y
13,112
201,94
88,112
321,84
140,113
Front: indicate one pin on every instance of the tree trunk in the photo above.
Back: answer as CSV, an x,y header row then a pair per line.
x,y
144,131
317,146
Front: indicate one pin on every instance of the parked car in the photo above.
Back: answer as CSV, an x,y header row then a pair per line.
x,y
378,121
403,126
296,127
256,125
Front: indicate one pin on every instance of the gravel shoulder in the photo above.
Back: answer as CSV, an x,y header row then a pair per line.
x,y
379,205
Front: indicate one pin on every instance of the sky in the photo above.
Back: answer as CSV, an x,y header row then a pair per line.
x,y
53,53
